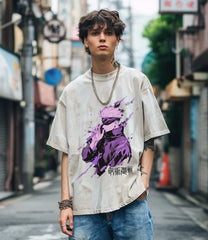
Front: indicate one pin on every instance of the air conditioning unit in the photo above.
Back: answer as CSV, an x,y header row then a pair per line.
x,y
200,76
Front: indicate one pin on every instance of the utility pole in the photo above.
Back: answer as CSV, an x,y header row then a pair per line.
x,y
0,18
129,44
29,123
131,57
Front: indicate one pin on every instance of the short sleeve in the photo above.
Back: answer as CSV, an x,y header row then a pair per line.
x,y
58,137
154,122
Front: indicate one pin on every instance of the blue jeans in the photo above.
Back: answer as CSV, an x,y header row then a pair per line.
x,y
132,222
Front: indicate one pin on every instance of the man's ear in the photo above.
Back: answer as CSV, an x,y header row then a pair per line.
x,y
86,42
118,41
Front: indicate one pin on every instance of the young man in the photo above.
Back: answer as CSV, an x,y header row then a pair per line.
x,y
105,125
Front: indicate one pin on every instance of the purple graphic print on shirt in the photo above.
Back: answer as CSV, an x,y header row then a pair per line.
x,y
108,146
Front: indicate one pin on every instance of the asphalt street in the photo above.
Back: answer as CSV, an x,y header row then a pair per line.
x,y
35,216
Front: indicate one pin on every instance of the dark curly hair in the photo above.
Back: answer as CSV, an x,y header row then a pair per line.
x,y
101,17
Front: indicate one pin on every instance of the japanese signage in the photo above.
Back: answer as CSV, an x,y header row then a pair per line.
x,y
64,14
64,53
49,55
10,75
64,47
178,6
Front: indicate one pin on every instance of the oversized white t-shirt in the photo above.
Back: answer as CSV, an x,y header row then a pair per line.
x,y
105,143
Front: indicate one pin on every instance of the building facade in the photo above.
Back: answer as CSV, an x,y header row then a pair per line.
x,y
11,95
46,55
191,90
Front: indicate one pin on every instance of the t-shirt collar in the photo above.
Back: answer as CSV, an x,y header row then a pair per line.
x,y
103,77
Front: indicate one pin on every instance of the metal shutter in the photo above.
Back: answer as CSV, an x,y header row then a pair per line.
x,y
3,141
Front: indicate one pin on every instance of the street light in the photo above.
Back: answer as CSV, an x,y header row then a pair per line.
x,y
16,19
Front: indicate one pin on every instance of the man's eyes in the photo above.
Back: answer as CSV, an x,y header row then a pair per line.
x,y
109,33
95,33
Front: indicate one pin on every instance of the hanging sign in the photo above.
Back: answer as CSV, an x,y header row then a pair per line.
x,y
44,95
54,30
178,6
10,75
53,76
64,14
64,53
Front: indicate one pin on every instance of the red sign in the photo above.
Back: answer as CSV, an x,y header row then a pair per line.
x,y
168,3
178,6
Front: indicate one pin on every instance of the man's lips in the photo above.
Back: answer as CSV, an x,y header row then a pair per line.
x,y
102,47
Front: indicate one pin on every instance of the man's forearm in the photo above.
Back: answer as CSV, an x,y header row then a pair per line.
x,y
147,162
64,178
66,213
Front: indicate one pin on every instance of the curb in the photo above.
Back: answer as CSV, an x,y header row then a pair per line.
x,y
6,195
193,200
38,185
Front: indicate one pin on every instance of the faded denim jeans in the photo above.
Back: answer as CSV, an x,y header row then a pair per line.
x,y
132,222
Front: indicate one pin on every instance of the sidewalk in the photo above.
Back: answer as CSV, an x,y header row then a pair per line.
x,y
5,195
38,184
196,200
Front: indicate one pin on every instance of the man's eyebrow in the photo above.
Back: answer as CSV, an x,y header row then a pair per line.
x,y
109,29
94,29
100,29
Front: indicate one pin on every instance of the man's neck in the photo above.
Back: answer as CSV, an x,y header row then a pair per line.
x,y
103,66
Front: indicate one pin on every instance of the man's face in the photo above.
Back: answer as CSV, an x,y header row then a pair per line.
x,y
101,42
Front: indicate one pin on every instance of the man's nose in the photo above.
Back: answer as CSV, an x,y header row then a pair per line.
x,y
102,36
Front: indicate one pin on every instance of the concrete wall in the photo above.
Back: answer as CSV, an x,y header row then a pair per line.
x,y
202,148
174,159
197,43
186,155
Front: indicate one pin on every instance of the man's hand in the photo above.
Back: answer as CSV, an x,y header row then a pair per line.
x,y
66,214
145,179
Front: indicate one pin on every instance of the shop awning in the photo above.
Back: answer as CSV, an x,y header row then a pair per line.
x,y
176,93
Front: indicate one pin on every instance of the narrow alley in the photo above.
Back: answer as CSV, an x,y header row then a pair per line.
x,y
35,216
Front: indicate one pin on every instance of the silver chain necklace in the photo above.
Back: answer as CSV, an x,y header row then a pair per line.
x,y
113,87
